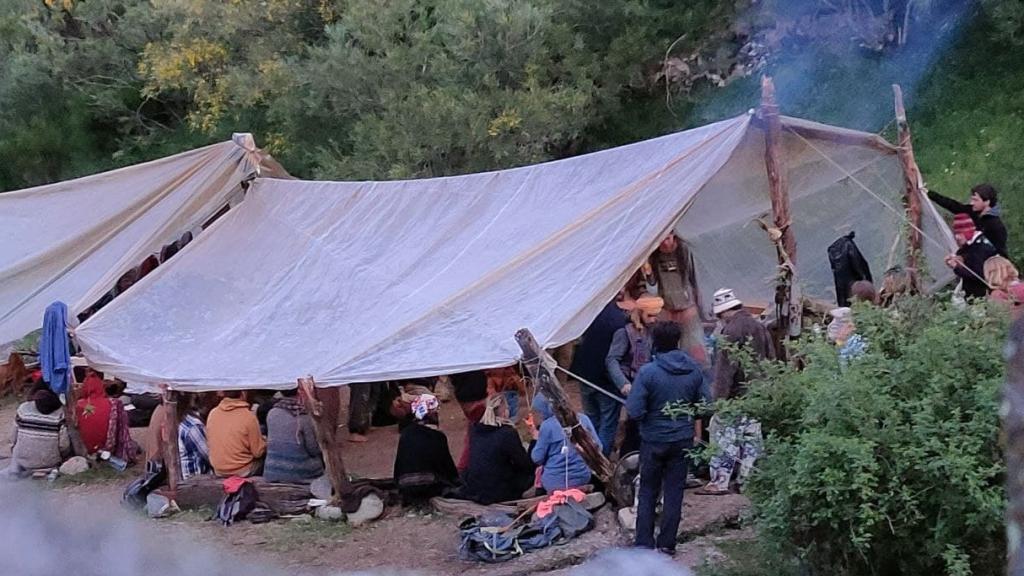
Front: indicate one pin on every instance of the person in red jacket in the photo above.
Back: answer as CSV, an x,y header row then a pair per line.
x,y
102,421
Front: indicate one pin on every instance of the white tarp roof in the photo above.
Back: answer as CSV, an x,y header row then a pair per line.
x,y
70,241
369,281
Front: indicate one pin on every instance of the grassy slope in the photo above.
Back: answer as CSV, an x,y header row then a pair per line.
x,y
968,126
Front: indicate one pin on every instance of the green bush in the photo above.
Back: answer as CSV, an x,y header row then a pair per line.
x,y
889,463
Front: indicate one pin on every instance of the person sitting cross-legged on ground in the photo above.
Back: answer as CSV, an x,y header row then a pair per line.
x,y
102,420
423,463
193,452
563,467
233,435
673,379
293,453
40,434
499,468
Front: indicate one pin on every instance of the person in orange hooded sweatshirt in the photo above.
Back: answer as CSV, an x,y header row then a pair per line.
x,y
233,435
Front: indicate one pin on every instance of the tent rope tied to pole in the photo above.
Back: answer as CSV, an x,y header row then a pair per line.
x,y
902,215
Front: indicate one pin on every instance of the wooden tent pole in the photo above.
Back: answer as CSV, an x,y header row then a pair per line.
x,y
172,459
71,416
323,405
1013,432
787,298
911,181
541,367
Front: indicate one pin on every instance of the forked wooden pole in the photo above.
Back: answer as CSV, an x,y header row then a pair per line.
x,y
911,181
323,405
787,297
541,367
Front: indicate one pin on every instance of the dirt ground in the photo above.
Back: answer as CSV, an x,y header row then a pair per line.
x,y
424,543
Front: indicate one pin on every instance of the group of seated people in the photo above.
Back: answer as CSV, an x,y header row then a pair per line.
x,y
497,466
41,441
221,434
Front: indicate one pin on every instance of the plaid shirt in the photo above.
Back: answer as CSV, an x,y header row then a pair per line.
x,y
194,455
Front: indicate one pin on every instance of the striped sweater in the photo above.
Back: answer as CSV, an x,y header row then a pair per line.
x,y
40,440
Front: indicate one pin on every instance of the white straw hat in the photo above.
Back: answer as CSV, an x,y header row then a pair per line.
x,y
725,300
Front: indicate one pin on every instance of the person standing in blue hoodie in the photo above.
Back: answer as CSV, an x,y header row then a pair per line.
x,y
564,468
673,377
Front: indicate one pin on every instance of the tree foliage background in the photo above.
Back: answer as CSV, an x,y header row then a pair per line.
x,y
410,88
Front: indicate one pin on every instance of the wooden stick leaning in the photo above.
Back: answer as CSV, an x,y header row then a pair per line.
x,y
541,367
323,405
911,181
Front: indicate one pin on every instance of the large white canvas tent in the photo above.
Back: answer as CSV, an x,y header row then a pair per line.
x,y
70,241
370,281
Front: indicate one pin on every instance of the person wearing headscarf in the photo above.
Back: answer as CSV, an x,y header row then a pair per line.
x,y
968,263
102,420
423,463
293,453
40,440
842,332
401,406
631,344
563,467
499,468
1000,274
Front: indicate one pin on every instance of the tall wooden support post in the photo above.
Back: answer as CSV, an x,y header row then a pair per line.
x,y
1013,432
71,416
787,298
541,367
323,405
172,460
911,182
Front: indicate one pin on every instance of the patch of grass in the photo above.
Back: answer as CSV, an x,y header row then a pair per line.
x,y
750,558
285,535
97,474
968,125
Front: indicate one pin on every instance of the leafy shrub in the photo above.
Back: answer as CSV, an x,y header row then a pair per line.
x,y
890,463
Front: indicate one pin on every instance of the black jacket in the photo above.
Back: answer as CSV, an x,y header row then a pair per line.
x,y
499,467
589,359
974,255
991,225
422,453
848,266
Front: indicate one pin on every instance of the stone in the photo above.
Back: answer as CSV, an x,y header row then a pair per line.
x,y
330,513
159,506
371,508
627,519
321,488
74,465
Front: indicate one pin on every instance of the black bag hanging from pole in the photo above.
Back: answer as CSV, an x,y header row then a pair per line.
x,y
848,266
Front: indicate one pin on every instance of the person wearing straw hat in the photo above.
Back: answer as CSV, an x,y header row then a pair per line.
x,y
739,438
968,263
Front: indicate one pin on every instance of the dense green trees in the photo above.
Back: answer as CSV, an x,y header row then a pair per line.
x,y
337,89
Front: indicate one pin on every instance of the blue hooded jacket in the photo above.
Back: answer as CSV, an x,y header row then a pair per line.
x,y
547,452
670,377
